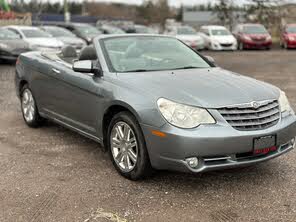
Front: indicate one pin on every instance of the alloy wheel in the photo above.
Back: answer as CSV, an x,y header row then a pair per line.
x,y
28,105
124,146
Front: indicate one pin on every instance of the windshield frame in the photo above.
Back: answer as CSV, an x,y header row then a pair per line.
x,y
248,32
13,34
189,30
25,32
100,42
288,29
82,30
48,29
216,30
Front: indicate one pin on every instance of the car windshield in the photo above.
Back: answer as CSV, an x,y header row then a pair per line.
x,y
6,34
113,30
220,32
254,29
186,31
149,53
291,29
143,29
35,33
59,32
88,30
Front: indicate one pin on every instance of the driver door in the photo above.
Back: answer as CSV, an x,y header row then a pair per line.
x,y
77,98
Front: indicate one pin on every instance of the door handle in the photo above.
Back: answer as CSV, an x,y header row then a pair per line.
x,y
56,71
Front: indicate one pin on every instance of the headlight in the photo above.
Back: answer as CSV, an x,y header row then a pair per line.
x,y
35,47
183,116
284,103
4,46
215,43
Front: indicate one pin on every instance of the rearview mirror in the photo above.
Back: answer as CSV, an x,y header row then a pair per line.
x,y
84,66
210,59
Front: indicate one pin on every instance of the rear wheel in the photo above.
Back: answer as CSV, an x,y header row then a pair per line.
x,y
29,108
127,147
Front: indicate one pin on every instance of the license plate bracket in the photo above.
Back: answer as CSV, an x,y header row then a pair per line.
x,y
264,145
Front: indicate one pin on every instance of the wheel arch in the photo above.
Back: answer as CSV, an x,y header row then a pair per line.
x,y
111,111
21,85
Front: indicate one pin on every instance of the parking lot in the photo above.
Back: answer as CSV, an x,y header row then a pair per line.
x,y
53,174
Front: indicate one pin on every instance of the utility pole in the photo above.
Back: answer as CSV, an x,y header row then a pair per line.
x,y
67,16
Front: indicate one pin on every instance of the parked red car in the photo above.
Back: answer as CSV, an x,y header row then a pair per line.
x,y
252,36
288,36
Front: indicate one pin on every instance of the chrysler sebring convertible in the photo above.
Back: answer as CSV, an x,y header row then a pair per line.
x,y
154,103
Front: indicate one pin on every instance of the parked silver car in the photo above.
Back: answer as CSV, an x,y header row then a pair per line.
x,y
37,39
64,35
11,45
154,103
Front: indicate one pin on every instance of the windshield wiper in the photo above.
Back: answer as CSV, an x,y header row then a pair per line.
x,y
189,67
138,70
146,70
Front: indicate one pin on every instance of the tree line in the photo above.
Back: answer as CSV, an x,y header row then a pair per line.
x,y
157,11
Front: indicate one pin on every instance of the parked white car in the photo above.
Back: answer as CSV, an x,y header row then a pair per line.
x,y
187,35
218,38
37,39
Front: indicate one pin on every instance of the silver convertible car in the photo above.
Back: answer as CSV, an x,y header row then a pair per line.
x,y
154,103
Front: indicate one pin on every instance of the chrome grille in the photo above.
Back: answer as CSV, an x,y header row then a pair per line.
x,y
248,118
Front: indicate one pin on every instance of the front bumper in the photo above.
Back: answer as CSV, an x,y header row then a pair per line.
x,y
8,55
216,146
200,46
256,45
223,47
291,43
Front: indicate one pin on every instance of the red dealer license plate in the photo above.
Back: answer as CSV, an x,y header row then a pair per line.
x,y
264,145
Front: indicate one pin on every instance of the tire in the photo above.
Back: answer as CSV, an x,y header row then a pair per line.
x,y
124,144
29,108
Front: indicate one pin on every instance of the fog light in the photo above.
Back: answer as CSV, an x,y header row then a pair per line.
x,y
192,162
293,142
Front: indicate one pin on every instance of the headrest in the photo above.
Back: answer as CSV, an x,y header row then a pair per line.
x,y
69,51
88,53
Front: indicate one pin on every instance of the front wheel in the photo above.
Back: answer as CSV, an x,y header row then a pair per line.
x,y
127,147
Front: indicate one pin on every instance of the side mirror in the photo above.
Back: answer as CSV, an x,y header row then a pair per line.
x,y
210,59
84,66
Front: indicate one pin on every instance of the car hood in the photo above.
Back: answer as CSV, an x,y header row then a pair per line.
x,y
16,44
209,88
71,40
189,37
224,39
45,42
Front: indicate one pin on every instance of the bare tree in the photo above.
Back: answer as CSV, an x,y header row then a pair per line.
x,y
263,11
225,12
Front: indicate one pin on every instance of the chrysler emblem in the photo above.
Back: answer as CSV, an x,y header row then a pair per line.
x,y
255,105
